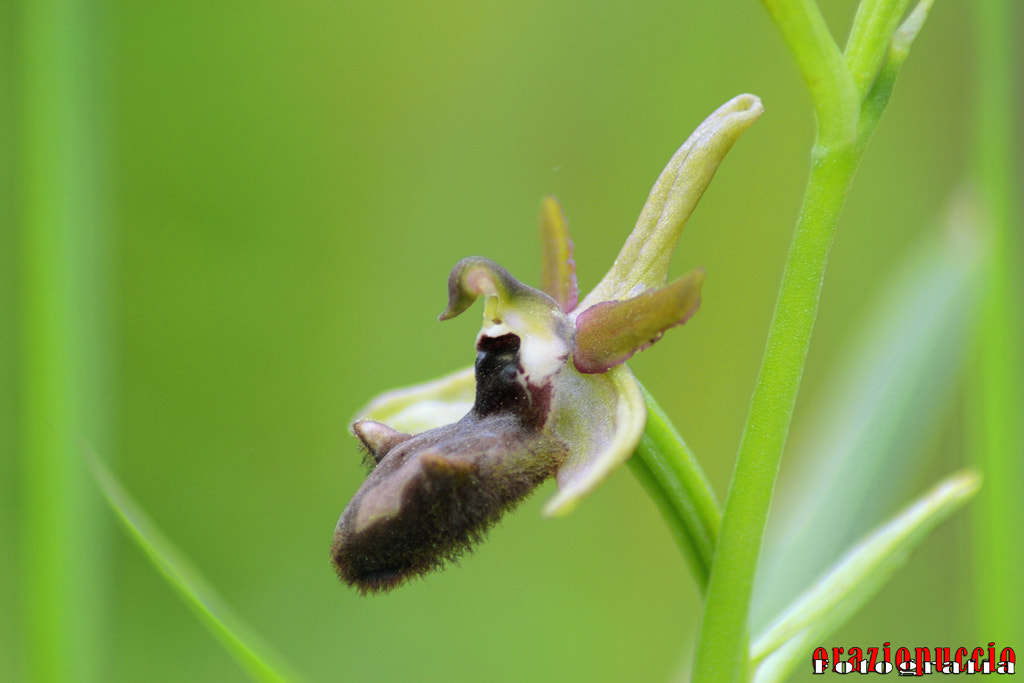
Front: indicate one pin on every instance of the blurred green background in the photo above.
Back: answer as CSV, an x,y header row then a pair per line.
x,y
281,189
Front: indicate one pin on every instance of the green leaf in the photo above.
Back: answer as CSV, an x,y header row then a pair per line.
x,y
255,656
855,579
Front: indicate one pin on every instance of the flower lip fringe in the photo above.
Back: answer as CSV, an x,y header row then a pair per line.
x,y
435,494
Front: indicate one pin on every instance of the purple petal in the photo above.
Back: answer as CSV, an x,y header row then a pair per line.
x,y
609,333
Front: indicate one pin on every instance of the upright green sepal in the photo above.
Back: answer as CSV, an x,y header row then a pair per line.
x,y
558,270
644,259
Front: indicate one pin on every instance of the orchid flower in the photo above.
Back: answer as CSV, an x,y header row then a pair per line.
x,y
549,395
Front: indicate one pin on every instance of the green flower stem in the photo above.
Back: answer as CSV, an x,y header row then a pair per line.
x,y
997,429
59,324
877,97
846,120
672,477
835,94
869,39
721,655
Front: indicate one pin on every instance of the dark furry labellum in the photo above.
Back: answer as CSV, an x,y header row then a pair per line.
x,y
431,496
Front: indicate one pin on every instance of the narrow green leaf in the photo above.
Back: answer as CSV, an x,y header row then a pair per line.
x,y
663,499
245,646
855,579
55,150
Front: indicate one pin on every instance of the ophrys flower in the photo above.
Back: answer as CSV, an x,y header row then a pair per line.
x,y
549,394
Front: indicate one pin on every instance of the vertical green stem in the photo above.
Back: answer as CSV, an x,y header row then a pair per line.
x,y
869,39
57,336
999,442
848,106
721,654
835,94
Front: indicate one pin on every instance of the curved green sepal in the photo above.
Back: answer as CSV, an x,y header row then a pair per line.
x,y
602,417
644,259
420,407
475,275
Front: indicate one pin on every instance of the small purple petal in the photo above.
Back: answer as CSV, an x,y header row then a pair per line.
x,y
609,333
